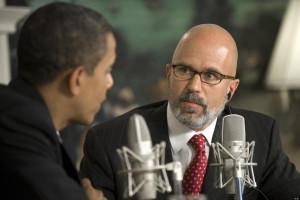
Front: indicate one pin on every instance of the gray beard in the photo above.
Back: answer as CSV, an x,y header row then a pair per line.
x,y
186,118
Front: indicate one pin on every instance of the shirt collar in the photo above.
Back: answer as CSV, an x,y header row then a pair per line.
x,y
59,137
180,134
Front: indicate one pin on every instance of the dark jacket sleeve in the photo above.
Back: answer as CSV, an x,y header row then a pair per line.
x,y
31,163
280,180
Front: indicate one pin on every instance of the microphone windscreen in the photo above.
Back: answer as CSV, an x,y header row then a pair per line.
x,y
139,138
233,128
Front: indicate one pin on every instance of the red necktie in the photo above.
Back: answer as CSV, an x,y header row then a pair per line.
x,y
194,174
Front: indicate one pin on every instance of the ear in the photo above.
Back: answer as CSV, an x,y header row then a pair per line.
x,y
232,88
75,80
228,94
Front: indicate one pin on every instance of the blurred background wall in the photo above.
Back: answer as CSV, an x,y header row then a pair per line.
x,y
148,31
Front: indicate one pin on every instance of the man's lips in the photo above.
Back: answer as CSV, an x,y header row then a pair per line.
x,y
192,103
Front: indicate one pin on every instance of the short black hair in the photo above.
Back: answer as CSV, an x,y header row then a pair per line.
x,y
60,36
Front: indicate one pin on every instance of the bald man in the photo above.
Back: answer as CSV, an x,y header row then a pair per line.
x,y
201,81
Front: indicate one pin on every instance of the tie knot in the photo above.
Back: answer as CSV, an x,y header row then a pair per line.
x,y
198,143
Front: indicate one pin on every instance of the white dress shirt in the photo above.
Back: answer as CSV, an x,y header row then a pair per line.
x,y
59,137
180,135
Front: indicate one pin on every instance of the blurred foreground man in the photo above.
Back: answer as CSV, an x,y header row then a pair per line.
x,y
65,55
201,79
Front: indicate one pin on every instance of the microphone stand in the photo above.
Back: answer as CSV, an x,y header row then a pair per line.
x,y
177,176
238,178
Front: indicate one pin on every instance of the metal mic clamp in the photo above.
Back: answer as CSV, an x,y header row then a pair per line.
x,y
176,167
234,163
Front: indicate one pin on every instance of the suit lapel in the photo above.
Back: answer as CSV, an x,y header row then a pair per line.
x,y
158,126
208,185
209,180
68,165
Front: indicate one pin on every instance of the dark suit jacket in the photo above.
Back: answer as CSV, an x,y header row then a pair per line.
x,y
276,177
33,164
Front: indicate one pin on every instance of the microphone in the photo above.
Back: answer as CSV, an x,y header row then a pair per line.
x,y
139,141
143,164
234,141
234,157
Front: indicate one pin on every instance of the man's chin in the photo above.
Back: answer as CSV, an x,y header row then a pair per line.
x,y
192,110
188,115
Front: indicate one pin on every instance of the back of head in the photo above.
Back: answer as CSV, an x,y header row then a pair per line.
x,y
59,37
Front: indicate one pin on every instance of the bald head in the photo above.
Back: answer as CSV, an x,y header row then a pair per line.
x,y
208,43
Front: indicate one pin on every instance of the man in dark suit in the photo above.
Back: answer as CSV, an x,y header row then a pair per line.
x,y
65,55
201,80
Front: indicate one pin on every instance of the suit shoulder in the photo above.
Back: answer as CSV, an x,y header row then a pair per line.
x,y
146,111
251,114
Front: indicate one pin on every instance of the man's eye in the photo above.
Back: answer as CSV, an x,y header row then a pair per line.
x,y
210,75
185,70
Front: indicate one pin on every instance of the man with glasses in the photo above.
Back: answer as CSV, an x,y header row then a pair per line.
x,y
201,80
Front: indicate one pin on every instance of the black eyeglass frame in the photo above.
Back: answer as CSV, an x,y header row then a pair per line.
x,y
222,76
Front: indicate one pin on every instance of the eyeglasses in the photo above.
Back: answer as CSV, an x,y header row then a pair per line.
x,y
209,77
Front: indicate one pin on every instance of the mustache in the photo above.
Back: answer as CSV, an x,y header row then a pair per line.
x,y
193,97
